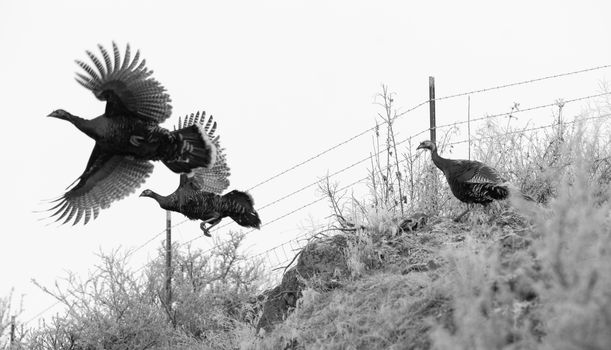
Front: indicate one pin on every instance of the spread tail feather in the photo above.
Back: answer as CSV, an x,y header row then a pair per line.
x,y
497,192
195,150
244,213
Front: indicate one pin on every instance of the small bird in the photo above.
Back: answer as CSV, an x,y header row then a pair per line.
x,y
198,195
127,135
471,181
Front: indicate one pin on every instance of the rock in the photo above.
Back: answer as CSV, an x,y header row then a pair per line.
x,y
321,261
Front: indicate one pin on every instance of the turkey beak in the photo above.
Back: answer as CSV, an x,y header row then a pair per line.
x,y
421,146
141,194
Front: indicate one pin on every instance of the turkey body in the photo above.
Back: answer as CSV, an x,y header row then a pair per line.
x,y
475,182
198,196
470,181
209,207
127,135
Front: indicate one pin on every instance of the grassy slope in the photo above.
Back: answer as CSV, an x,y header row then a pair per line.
x,y
519,276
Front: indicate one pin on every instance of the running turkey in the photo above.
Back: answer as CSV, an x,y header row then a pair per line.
x,y
471,181
198,195
127,136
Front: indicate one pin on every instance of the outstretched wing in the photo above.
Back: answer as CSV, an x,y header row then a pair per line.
x,y
107,178
215,179
479,173
129,82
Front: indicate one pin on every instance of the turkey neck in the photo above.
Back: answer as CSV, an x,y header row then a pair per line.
x,y
439,161
90,127
164,201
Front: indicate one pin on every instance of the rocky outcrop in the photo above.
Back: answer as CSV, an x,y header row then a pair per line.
x,y
323,264
321,258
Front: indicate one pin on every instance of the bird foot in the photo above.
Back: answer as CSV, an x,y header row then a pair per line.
x,y
135,140
205,230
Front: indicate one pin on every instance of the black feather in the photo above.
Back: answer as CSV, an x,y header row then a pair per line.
x,y
127,135
198,196
470,181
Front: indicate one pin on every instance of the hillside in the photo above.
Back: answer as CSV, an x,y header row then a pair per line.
x,y
495,282
518,275
392,270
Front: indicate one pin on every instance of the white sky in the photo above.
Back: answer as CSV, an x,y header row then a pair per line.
x,y
284,79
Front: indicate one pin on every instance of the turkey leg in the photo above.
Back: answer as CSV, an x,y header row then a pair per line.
x,y
457,219
213,221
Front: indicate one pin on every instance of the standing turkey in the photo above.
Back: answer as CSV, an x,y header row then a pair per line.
x,y
471,181
127,136
198,195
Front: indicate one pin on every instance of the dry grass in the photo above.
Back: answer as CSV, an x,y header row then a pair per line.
x,y
380,311
517,276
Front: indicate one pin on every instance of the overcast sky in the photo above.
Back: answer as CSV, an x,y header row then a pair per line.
x,y
284,79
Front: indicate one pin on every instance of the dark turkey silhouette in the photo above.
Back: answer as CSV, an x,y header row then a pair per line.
x,y
198,195
127,136
471,181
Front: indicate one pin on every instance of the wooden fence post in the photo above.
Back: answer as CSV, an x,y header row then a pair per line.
x,y
432,109
168,260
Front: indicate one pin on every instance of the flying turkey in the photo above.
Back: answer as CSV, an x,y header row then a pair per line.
x,y
198,195
471,181
127,136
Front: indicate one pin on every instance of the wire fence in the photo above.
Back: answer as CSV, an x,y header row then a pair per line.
x,y
277,256
282,254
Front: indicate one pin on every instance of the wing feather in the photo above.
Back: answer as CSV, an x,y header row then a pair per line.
x,y
215,179
106,179
106,57
478,173
87,215
130,81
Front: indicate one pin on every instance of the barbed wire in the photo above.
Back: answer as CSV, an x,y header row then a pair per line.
x,y
420,133
405,140
407,159
41,312
472,92
533,128
399,143
524,82
519,111
404,160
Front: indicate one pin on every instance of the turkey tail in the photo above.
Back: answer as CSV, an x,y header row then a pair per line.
x,y
499,192
242,209
492,191
195,150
